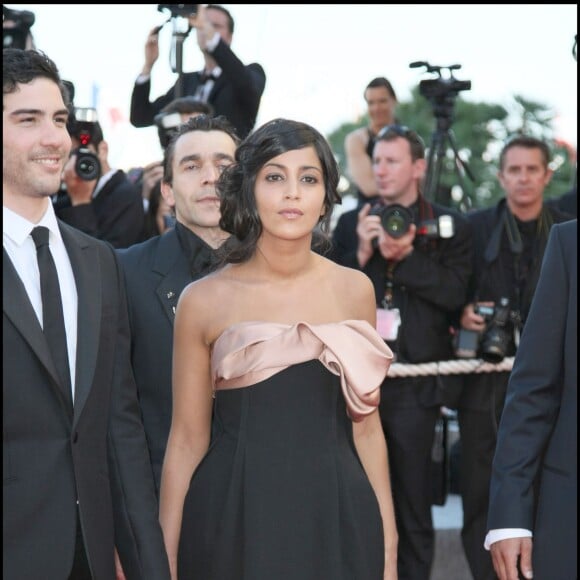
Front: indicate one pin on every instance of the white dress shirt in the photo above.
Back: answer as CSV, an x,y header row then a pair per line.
x,y
18,243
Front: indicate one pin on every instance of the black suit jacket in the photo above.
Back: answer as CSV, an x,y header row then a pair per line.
x,y
156,271
96,454
537,433
236,93
115,215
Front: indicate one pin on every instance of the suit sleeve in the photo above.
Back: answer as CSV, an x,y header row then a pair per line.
x,y
533,397
142,110
138,535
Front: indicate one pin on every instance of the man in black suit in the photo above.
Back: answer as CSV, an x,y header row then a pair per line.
x,y
108,207
420,282
233,89
534,479
157,270
77,481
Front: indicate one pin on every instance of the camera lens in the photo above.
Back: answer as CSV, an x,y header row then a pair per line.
x,y
396,220
87,165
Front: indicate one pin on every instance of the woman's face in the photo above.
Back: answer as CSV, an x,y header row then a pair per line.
x,y
290,193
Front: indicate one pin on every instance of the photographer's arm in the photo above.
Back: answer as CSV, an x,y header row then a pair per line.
x,y
440,279
359,166
142,110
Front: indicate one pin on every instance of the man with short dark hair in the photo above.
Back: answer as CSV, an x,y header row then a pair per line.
x,y
157,270
233,89
420,284
77,480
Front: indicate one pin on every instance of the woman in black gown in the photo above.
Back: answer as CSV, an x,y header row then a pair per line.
x,y
276,466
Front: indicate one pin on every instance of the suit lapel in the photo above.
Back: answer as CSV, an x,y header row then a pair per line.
x,y
87,272
170,263
19,310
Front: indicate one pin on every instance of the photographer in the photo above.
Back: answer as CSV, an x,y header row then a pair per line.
x,y
420,274
509,243
233,89
98,199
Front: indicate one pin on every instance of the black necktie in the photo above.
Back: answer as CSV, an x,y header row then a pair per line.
x,y
52,313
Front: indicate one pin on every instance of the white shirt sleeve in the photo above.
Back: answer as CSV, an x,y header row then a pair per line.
x,y
504,534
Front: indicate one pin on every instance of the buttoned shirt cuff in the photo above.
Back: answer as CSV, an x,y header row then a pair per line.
x,y
142,79
494,536
212,42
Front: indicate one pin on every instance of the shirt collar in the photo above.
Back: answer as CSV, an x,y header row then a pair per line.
x,y
18,228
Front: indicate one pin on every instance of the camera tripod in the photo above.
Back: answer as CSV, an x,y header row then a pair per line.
x,y
443,139
441,93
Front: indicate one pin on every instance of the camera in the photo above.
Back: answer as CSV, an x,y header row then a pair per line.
x,y
396,220
496,338
84,126
183,10
16,25
492,345
440,89
167,125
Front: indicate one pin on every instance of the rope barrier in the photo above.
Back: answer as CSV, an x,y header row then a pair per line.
x,y
450,367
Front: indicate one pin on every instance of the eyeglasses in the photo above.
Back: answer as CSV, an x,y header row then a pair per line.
x,y
390,131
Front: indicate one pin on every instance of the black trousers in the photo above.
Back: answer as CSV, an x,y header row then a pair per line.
x,y
409,432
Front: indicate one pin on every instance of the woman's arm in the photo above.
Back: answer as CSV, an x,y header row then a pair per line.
x,y
189,436
372,449
359,164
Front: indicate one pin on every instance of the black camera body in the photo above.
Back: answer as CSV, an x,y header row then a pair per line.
x,y
396,220
492,345
167,125
183,10
496,337
84,126
440,89
15,33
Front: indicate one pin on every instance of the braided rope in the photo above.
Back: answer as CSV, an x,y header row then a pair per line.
x,y
450,367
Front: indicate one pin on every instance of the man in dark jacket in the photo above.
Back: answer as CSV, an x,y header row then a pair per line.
x,y
509,243
420,283
157,270
100,201
233,89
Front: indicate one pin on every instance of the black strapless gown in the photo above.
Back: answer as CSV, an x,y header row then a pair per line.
x,y
281,493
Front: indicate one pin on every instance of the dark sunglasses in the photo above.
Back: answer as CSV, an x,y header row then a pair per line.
x,y
399,131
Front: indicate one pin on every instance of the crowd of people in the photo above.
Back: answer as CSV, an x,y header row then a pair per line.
x,y
210,392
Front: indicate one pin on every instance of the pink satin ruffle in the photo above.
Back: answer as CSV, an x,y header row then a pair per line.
x,y
250,352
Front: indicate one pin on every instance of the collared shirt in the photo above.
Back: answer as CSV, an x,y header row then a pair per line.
x,y
504,534
18,243
203,91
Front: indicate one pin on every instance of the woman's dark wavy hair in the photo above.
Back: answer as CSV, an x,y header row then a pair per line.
x,y
239,214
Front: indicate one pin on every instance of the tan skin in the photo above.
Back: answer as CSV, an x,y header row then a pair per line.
x,y
381,109
270,286
397,177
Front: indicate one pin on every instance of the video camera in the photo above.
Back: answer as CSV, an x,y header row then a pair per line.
x,y
440,89
83,125
16,25
183,10
396,220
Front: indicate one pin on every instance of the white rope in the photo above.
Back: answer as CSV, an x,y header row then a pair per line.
x,y
449,367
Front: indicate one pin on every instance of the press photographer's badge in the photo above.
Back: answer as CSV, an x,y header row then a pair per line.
x,y
388,322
